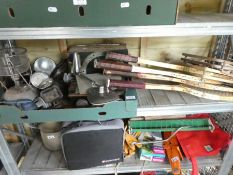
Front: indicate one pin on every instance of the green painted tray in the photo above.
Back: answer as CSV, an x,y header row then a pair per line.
x,y
113,110
86,13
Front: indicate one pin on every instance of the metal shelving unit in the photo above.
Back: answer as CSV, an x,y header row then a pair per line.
x,y
187,25
40,161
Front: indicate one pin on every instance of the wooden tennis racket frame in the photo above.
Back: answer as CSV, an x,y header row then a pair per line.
x,y
202,82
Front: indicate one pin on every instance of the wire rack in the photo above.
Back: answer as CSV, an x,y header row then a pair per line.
x,y
225,121
223,50
13,61
222,42
209,171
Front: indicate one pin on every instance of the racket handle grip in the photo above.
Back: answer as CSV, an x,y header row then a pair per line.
x,y
112,65
121,57
126,84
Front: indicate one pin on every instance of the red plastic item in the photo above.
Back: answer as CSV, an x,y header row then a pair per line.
x,y
202,143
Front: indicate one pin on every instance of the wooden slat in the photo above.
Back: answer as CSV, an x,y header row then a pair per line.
x,y
172,55
203,100
10,137
202,93
160,97
42,158
32,154
175,98
143,47
145,98
132,43
190,6
62,44
190,99
38,48
62,163
54,160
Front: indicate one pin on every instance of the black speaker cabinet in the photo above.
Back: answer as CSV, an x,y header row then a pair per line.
x,y
93,144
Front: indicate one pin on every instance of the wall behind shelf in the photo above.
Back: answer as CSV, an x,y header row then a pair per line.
x,y
162,48
193,6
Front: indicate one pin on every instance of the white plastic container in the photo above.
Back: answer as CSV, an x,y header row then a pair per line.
x,y
51,135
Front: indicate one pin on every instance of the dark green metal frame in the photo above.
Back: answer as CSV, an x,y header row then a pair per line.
x,y
97,13
113,110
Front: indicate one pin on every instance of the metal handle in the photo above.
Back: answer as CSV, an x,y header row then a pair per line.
x,y
76,63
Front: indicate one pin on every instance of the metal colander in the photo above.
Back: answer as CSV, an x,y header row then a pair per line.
x,y
13,61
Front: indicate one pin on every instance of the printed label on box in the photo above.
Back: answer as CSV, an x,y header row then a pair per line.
x,y
130,97
80,2
124,4
52,9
